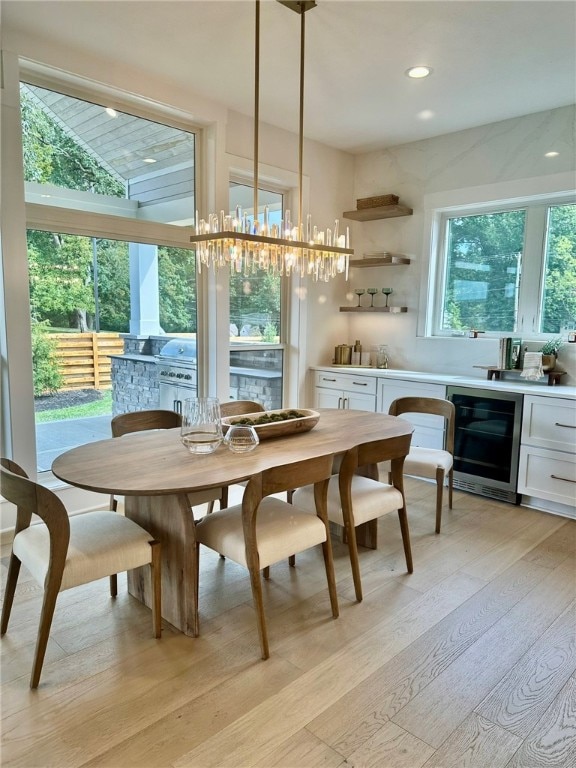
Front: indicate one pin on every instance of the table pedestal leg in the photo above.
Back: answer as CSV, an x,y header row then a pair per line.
x,y
169,520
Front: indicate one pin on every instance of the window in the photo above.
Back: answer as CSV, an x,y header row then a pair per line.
x,y
83,155
85,166
256,353
507,270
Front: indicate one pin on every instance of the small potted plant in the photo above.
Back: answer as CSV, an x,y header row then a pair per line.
x,y
550,353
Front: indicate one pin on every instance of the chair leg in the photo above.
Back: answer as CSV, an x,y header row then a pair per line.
x,y
331,579
48,606
292,561
406,538
113,585
210,508
266,572
156,578
450,487
259,606
439,493
354,562
11,582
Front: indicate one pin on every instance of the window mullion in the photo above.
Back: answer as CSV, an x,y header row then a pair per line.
x,y
530,294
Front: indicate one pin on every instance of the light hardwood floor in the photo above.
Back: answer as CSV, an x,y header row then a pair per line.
x,y
470,661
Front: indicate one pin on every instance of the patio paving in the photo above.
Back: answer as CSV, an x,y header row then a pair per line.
x,y
56,437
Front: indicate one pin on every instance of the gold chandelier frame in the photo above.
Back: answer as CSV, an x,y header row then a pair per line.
x,y
226,241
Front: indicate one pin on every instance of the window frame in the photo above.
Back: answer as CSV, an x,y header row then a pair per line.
x,y
18,431
530,304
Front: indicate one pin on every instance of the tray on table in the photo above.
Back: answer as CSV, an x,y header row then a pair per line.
x,y
281,428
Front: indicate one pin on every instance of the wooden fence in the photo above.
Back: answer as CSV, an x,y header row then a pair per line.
x,y
83,359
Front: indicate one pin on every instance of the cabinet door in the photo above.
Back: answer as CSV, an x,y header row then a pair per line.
x,y
328,398
357,401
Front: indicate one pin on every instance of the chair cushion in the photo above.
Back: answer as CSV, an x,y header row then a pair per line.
x,y
424,462
370,499
101,543
281,530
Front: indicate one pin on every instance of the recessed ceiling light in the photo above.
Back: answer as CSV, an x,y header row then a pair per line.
x,y
111,112
148,160
425,114
418,72
551,154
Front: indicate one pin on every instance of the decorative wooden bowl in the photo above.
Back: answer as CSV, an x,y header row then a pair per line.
x,y
303,423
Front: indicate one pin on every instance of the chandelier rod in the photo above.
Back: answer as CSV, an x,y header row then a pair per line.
x,y
256,104
301,125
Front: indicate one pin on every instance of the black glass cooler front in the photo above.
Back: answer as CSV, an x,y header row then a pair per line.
x,y
487,441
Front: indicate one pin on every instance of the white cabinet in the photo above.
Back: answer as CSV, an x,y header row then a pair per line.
x,y
428,429
548,450
345,391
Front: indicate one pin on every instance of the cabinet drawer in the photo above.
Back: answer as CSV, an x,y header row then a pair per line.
x,y
549,423
346,381
547,475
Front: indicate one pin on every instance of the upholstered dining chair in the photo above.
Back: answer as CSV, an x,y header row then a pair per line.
x,y
356,496
434,463
234,408
262,530
64,552
141,421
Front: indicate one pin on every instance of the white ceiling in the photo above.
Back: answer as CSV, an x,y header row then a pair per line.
x,y
492,60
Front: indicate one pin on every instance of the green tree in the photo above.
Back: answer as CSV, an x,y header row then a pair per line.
x,y
53,157
61,288
560,282
483,261
47,376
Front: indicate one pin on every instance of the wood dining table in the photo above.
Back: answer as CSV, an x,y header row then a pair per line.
x,y
155,473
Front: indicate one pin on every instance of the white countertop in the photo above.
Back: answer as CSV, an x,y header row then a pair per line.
x,y
511,384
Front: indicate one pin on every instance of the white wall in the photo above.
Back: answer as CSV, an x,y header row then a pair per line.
x,y
500,154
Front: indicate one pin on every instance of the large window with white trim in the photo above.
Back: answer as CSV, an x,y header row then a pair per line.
x,y
508,269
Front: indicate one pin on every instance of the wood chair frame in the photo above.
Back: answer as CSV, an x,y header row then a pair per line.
x,y
436,407
317,472
31,498
363,460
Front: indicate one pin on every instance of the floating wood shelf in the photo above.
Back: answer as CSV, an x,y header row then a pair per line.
x,y
382,212
379,261
391,310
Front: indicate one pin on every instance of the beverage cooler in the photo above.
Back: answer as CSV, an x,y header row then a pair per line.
x,y
487,441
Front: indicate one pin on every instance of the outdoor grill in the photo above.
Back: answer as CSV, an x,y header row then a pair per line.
x,y
177,374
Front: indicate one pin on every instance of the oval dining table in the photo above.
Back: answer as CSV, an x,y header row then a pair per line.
x,y
155,473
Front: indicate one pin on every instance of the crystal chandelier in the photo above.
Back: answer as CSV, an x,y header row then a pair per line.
x,y
283,249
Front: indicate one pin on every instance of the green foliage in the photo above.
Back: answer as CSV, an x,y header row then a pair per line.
x,y
47,377
483,261
270,333
113,286
60,270
177,287
560,285
52,157
255,295
551,347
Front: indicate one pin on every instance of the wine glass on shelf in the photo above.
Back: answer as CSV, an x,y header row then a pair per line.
x,y
359,292
387,292
371,292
